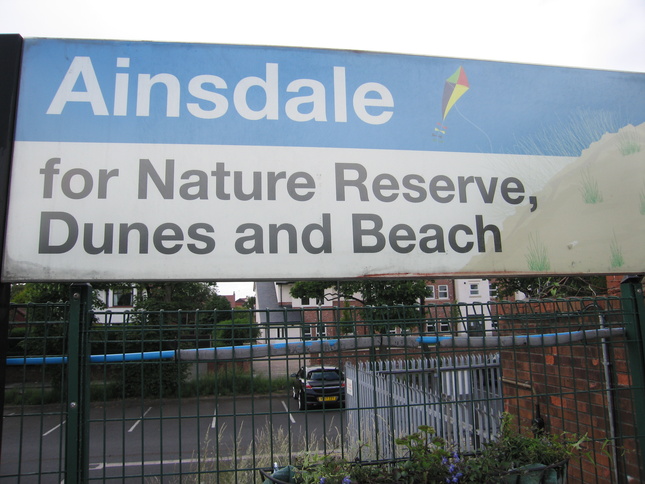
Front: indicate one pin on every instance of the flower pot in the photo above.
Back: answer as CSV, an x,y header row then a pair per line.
x,y
537,474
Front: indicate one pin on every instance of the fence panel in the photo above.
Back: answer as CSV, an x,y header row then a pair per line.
x,y
454,396
173,397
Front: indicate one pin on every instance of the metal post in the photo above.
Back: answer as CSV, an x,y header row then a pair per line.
x,y
10,59
631,290
77,436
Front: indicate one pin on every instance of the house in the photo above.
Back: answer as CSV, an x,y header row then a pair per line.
x,y
284,317
235,302
118,302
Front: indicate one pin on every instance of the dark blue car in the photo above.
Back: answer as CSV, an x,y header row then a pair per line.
x,y
318,385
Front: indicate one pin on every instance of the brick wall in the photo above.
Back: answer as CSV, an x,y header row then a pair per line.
x,y
568,384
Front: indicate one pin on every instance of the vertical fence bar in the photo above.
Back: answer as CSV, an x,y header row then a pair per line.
x,y
77,436
10,58
631,290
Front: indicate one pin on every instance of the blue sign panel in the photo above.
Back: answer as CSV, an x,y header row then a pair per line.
x,y
210,161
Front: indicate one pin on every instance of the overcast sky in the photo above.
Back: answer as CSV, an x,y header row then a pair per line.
x,y
596,34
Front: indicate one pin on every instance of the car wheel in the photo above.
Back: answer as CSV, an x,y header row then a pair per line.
x,y
302,402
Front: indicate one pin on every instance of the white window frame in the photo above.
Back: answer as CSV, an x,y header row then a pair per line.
x,y
115,295
443,291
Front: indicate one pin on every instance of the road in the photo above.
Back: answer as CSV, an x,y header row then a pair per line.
x,y
130,440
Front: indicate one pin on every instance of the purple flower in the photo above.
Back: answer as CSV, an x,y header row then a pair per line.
x,y
323,480
347,480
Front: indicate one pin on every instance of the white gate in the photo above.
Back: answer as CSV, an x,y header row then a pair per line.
x,y
460,397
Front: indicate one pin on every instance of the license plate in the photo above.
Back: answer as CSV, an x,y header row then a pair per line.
x,y
327,399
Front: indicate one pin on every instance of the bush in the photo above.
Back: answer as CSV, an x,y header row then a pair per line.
x,y
228,382
241,330
513,457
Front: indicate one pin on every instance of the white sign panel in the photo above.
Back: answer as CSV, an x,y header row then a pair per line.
x,y
138,161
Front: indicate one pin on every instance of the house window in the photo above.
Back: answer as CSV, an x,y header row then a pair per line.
x,y
441,326
321,329
281,333
122,298
306,332
474,289
430,292
304,301
475,325
390,329
443,292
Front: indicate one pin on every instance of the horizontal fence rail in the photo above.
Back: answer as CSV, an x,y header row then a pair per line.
x,y
210,396
243,352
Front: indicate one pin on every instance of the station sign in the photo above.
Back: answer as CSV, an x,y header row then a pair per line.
x,y
162,161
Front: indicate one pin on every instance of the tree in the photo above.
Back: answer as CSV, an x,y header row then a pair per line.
x,y
367,292
552,287
249,303
240,330
386,302
173,296
51,292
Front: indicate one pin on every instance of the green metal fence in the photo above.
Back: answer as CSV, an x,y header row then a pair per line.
x,y
202,396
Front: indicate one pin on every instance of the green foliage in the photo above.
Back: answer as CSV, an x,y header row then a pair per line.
x,y
328,469
172,296
161,327
216,308
428,459
318,290
347,323
44,334
514,450
368,292
241,330
249,303
32,396
382,299
15,343
551,287
234,381
56,293
157,379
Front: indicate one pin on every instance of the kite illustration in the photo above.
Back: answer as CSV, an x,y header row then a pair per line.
x,y
455,87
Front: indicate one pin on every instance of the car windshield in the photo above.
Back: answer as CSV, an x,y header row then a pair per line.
x,y
323,375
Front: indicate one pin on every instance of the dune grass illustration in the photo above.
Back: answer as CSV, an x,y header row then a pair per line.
x,y
590,189
628,141
571,137
616,259
537,257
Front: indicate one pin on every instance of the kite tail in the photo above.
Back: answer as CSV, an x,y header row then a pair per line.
x,y
490,143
